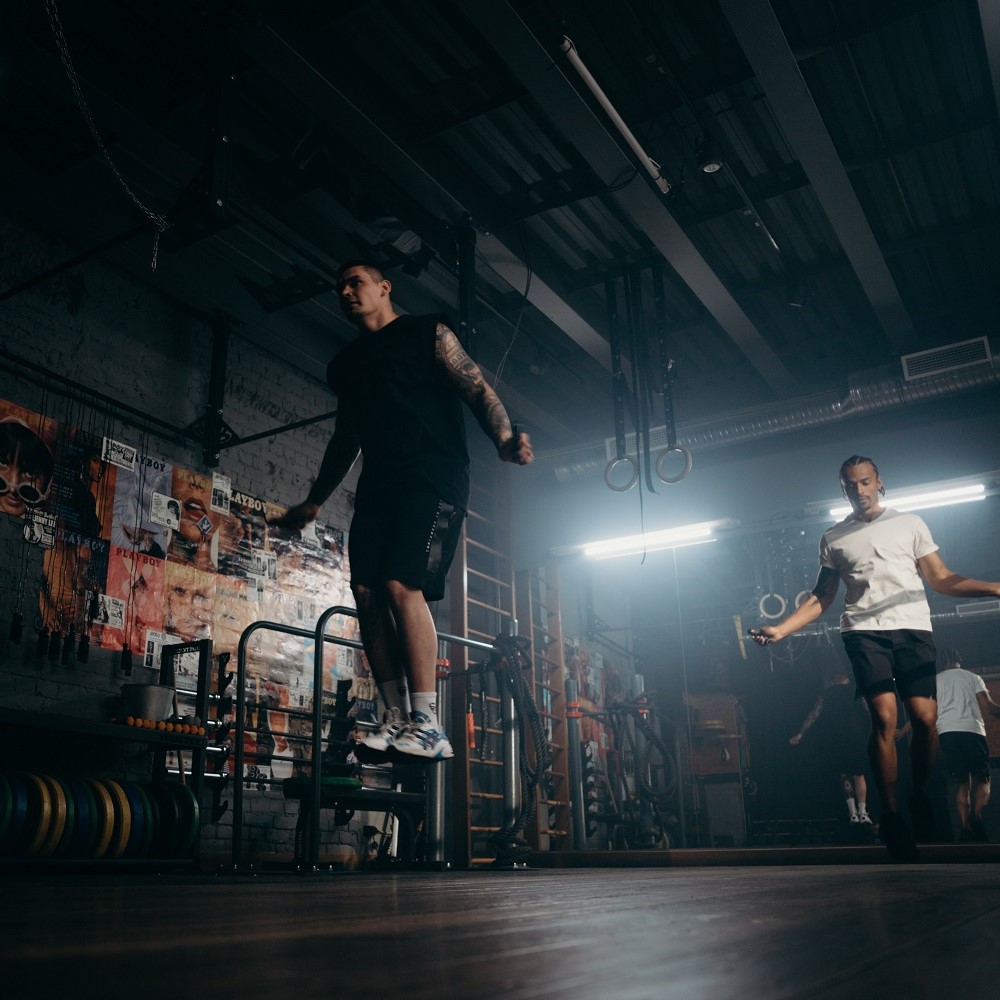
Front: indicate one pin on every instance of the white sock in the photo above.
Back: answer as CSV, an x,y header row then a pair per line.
x,y
851,807
862,809
425,702
396,696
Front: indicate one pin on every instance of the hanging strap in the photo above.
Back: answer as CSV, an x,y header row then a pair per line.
x,y
666,378
617,394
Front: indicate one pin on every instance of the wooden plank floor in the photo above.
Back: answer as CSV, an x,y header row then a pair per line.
x,y
819,931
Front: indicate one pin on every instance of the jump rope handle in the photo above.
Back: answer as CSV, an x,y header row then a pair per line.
x,y
757,633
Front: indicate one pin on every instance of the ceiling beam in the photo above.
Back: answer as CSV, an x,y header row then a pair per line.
x,y
532,64
758,32
295,71
989,17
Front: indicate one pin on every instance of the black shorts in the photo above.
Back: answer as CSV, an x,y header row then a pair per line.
x,y
904,659
409,537
965,754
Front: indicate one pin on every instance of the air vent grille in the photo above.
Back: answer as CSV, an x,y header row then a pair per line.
x,y
949,358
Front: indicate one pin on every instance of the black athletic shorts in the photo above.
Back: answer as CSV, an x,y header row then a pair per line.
x,y
965,754
903,658
409,537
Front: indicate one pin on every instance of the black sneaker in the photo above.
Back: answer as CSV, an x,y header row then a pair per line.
x,y
898,842
922,814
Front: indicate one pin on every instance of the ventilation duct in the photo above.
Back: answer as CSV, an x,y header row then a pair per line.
x,y
868,392
950,358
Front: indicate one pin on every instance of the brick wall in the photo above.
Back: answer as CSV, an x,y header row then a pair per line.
x,y
110,335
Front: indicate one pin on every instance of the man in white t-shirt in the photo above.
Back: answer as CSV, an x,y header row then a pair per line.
x,y
885,558
962,699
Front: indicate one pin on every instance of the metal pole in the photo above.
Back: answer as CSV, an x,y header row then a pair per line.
x,y
510,744
578,804
435,784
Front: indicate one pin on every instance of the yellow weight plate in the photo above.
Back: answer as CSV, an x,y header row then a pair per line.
x,y
105,820
63,844
58,825
123,819
41,815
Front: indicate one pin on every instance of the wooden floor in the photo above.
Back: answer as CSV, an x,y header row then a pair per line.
x,y
821,931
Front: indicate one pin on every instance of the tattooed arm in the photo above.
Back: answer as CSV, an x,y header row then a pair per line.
x,y
484,403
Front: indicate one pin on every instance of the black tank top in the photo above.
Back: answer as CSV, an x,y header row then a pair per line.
x,y
410,417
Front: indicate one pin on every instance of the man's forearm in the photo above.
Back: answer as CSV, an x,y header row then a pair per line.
x,y
340,455
956,585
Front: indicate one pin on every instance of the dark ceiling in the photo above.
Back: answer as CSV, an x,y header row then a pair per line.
x,y
853,221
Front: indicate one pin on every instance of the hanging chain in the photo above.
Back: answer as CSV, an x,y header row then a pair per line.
x,y
159,220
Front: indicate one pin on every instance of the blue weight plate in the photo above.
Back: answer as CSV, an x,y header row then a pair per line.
x,y
85,826
133,849
13,841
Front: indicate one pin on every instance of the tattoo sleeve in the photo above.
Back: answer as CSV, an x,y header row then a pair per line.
x,y
466,376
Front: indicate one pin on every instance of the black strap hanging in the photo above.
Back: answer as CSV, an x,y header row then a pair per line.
x,y
617,393
666,377
639,353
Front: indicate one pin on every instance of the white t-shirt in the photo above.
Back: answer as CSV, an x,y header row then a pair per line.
x,y
957,705
877,560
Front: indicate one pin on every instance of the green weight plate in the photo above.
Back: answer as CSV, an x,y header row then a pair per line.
x,y
170,820
190,819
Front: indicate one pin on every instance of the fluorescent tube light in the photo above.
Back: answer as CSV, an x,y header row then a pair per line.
x,y
925,499
652,167
652,541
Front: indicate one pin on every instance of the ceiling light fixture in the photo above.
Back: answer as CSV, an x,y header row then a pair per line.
x,y
924,499
653,541
652,167
707,154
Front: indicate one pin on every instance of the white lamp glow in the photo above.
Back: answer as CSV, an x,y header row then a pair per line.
x,y
925,499
653,541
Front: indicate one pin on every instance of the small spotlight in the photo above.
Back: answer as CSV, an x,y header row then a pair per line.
x,y
707,154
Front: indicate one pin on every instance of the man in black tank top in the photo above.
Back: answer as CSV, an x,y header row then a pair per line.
x,y
401,387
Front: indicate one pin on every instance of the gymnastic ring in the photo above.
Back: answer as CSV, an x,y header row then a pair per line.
x,y
688,462
801,596
764,614
612,465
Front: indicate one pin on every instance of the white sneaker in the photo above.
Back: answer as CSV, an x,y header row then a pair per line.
x,y
864,818
384,737
420,739
855,818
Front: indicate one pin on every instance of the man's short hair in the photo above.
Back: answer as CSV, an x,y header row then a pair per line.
x,y
371,267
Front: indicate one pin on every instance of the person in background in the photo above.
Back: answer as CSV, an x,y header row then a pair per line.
x,y
885,557
963,698
844,729
400,389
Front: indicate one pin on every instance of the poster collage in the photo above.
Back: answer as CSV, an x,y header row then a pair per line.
x,y
139,552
